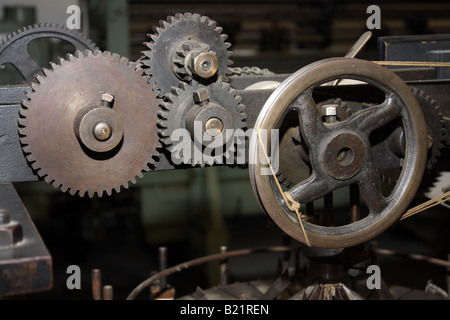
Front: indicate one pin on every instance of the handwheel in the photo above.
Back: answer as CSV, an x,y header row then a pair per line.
x,y
340,153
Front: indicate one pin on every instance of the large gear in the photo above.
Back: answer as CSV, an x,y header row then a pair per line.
x,y
181,44
14,48
89,124
207,105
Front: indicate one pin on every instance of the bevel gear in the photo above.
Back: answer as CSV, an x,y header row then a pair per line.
x,y
14,48
89,124
206,114
186,47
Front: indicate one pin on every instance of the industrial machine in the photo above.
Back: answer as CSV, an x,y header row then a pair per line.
x,y
94,122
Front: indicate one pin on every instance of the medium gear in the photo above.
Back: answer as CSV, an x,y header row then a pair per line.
x,y
435,124
99,115
392,151
180,45
216,107
14,49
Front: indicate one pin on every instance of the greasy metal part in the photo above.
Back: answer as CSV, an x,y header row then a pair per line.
x,y
296,94
14,49
57,100
327,291
108,292
98,128
344,156
25,267
170,47
214,257
202,64
197,108
96,284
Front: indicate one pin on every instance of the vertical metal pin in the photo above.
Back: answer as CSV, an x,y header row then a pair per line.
x,y
162,256
96,283
223,268
108,292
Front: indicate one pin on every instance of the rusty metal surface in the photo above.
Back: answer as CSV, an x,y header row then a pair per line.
x,y
25,266
54,150
296,93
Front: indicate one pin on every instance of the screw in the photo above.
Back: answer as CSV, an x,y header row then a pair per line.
x,y
4,216
201,95
102,131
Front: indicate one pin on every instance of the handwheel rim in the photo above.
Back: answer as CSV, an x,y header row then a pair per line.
x,y
414,162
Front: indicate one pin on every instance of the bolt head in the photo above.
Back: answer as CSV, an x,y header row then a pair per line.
x,y
102,131
107,97
329,109
201,95
10,234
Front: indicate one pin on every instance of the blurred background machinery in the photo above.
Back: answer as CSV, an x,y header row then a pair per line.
x,y
194,212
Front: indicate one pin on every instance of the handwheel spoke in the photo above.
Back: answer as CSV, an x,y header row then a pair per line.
x,y
310,118
377,116
370,188
310,189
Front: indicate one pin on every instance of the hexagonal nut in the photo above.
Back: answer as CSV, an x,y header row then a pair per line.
x,y
329,109
10,234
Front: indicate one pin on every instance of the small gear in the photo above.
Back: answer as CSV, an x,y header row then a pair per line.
x,y
201,112
89,124
14,49
186,47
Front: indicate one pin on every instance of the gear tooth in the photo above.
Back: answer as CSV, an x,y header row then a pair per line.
x,y
22,130
69,57
63,188
46,71
26,149
171,19
39,78
34,85
24,140
25,103
48,179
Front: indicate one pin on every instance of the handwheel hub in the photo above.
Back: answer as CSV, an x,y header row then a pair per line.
x,y
344,156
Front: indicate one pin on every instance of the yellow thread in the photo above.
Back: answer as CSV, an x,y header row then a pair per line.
x,y
426,205
413,63
290,202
